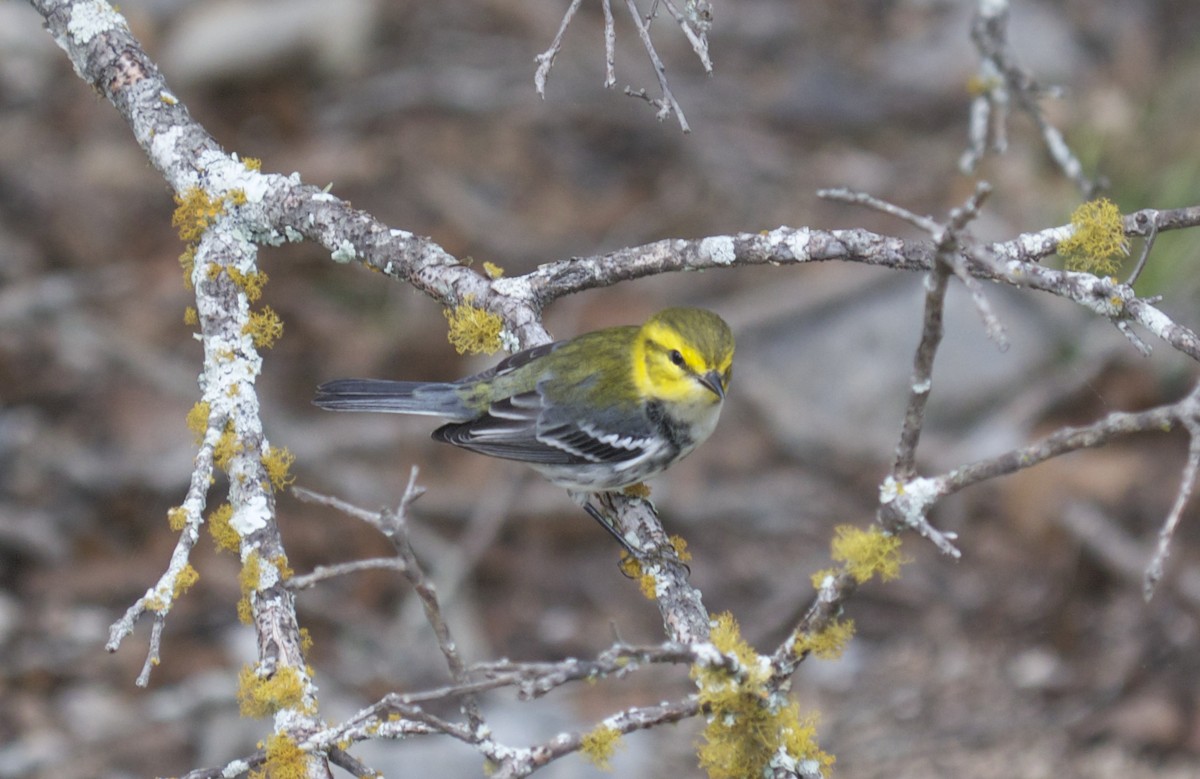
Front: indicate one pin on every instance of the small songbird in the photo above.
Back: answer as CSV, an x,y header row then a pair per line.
x,y
594,413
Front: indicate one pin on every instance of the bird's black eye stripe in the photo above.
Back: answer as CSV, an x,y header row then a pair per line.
x,y
676,357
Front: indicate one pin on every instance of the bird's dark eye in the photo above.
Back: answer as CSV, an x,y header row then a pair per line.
x,y
676,357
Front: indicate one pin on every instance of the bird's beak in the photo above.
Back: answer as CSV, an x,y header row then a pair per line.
x,y
712,380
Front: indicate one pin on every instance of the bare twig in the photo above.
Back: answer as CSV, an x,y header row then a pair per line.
x,y
345,507
393,523
1190,418
323,572
610,46
897,497
695,21
667,104
455,566
396,521
1060,442
545,60
1146,218
1000,80
866,200
348,762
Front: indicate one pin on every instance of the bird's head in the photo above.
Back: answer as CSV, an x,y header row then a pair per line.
x,y
684,356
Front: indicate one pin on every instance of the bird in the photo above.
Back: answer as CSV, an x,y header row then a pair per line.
x,y
596,413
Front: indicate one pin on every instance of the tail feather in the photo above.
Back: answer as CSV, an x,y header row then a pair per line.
x,y
438,399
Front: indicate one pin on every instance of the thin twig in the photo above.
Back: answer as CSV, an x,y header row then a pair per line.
x,y
545,60
695,25
843,195
349,509
947,260
1000,79
1147,245
324,572
397,533
456,565
610,46
348,762
1060,442
667,104
152,655
1156,568
393,523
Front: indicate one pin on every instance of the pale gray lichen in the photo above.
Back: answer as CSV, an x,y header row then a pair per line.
x,y
251,516
344,253
89,19
719,249
797,243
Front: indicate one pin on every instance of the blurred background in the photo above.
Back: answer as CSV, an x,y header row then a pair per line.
x,y
1033,656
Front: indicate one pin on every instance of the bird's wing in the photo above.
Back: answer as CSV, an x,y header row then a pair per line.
x,y
513,361
522,428
508,430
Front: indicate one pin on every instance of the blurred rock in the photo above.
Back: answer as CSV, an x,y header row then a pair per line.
x,y
241,39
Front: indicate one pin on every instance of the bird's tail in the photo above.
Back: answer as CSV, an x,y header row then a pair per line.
x,y
438,399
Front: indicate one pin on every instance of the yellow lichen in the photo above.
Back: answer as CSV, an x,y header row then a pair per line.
x,y
473,330
177,518
632,569
726,636
818,578
252,163
259,697
978,85
187,261
829,643
306,641
284,759
251,283
800,737
265,327
278,463
227,447
190,316
680,544
599,745
197,419
1098,244
222,532
638,490
184,580
280,562
747,724
629,565
867,553
248,581
237,197
194,212
493,270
